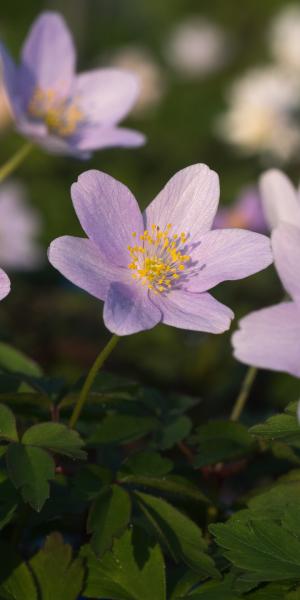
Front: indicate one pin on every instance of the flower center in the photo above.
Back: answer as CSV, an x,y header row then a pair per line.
x,y
158,258
60,116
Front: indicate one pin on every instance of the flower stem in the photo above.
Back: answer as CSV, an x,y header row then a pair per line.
x,y
101,358
11,165
243,396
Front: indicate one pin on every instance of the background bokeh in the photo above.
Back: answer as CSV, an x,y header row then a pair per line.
x,y
57,324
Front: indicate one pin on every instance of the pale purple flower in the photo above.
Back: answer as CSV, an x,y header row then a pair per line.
x,y
270,338
280,199
19,227
246,212
4,284
157,266
61,111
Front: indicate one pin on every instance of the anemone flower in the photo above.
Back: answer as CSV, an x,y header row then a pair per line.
x,y
270,338
63,112
4,284
157,266
280,199
245,212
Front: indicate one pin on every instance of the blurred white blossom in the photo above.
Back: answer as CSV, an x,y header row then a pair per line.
x,y
151,78
284,37
19,226
197,47
262,113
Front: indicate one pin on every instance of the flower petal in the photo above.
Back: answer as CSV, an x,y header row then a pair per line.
x,y
286,248
4,284
270,338
108,213
189,201
105,96
80,261
98,137
48,55
38,133
198,312
10,77
280,199
127,309
228,254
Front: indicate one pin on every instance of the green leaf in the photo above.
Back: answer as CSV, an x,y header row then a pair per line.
x,y
30,469
284,428
176,430
184,585
133,570
214,590
58,576
8,428
221,441
90,480
178,533
108,517
269,592
263,547
147,463
170,484
14,360
120,429
8,500
55,437
15,577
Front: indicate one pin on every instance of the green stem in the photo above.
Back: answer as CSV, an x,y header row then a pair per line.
x,y
243,396
101,358
15,161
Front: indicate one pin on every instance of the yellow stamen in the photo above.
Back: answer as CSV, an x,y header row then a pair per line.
x,y
61,116
160,261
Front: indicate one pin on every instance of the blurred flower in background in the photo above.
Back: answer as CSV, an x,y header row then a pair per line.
x,y
284,37
19,227
63,112
246,212
140,61
261,117
5,112
197,47
280,199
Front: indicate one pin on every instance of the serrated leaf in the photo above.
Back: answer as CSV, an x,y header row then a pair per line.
x,y
221,441
55,437
8,428
14,360
133,570
30,469
180,535
57,575
108,517
16,581
120,429
279,427
264,548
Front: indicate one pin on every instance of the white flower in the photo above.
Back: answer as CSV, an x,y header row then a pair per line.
x,y
284,37
261,115
139,61
197,47
19,225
